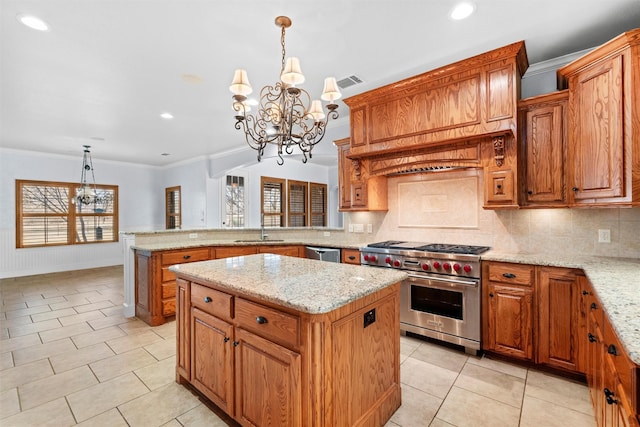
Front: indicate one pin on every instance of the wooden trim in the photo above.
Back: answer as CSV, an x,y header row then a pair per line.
x,y
305,214
283,197
168,214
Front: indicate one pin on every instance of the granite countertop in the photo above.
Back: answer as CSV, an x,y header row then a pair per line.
x,y
616,282
185,244
305,285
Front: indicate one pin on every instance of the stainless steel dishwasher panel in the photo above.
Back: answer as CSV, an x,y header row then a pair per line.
x,y
323,254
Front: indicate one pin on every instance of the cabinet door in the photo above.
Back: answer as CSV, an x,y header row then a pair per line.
x,y
183,339
510,321
280,250
596,109
544,154
344,173
212,358
559,322
268,388
350,256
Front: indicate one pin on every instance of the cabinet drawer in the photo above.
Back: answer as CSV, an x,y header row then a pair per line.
x,y
211,301
232,251
169,307
169,290
616,353
351,256
187,255
167,275
514,274
268,322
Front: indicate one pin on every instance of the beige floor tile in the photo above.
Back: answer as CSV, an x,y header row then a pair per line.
x,y
115,366
79,318
9,403
392,424
158,374
134,326
536,412
464,408
201,416
500,366
418,407
407,346
167,330
99,336
18,331
116,310
108,321
4,334
14,377
111,418
78,357
427,377
159,406
19,342
102,397
162,349
493,384
55,414
559,391
53,314
6,361
129,342
172,423
15,306
42,351
437,355
38,392
27,311
437,422
93,306
65,332
44,301
17,321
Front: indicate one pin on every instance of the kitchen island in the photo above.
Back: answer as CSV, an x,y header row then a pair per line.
x,y
278,340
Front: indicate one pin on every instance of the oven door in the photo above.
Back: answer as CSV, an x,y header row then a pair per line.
x,y
445,308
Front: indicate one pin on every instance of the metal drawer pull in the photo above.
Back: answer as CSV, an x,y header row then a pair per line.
x,y
609,396
235,343
592,338
509,275
186,256
351,257
585,292
261,320
207,299
226,339
612,350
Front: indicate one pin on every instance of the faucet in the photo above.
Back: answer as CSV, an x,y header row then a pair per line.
x,y
263,236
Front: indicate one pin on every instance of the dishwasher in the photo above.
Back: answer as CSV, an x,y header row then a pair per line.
x,y
323,254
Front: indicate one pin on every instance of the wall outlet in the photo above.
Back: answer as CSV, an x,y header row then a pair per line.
x,y
358,228
327,234
350,228
369,228
604,236
193,235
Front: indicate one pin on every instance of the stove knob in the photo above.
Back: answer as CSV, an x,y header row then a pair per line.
x,y
425,266
467,268
388,260
446,266
456,267
373,258
366,257
396,263
436,265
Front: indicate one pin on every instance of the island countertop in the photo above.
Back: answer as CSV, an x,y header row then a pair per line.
x,y
306,285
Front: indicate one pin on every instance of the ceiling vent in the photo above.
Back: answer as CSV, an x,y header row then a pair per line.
x,y
349,81
428,169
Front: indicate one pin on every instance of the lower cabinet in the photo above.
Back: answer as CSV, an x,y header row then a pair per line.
x,y
350,256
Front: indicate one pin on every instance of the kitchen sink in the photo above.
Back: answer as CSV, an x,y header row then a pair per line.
x,y
258,240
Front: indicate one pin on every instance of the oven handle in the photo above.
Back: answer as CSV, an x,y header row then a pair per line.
x,y
416,277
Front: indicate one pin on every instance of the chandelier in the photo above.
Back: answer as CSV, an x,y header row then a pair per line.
x,y
286,117
88,193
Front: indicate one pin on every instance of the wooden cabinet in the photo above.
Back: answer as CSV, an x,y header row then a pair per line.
x,y
287,250
350,256
183,326
359,191
604,112
543,129
231,251
508,309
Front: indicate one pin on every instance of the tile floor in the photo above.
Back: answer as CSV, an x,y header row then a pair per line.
x,y
69,357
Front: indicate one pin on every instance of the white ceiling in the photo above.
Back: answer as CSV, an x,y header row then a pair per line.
x,y
107,68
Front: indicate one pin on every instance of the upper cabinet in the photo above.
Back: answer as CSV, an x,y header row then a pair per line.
x,y
604,123
469,99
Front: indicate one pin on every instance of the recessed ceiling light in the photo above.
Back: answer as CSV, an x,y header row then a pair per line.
x,y
33,22
191,78
462,10
165,154
166,116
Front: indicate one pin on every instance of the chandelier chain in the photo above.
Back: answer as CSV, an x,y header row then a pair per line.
x,y
284,52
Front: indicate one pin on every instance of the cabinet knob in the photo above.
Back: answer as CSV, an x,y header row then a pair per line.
x,y
236,343
529,192
226,339
186,256
499,186
612,350
351,257
585,292
509,275
593,306
261,320
592,338
491,294
609,396
207,299
574,189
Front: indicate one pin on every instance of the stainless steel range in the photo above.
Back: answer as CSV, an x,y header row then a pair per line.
x,y
441,297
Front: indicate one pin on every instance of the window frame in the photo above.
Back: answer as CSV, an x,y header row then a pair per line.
x,y
325,210
283,202
71,214
290,213
224,215
168,214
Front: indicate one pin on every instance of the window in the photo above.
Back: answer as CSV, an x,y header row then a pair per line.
x,y
46,215
318,204
273,201
235,201
173,207
298,204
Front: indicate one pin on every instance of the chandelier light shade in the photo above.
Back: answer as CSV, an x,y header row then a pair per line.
x,y
286,117
87,193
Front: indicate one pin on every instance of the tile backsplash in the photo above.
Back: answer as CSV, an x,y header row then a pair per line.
x,y
552,231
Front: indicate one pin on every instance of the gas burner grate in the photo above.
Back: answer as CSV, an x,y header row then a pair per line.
x,y
454,249
385,244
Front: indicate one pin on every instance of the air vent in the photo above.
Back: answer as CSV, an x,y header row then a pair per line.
x,y
428,169
349,81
